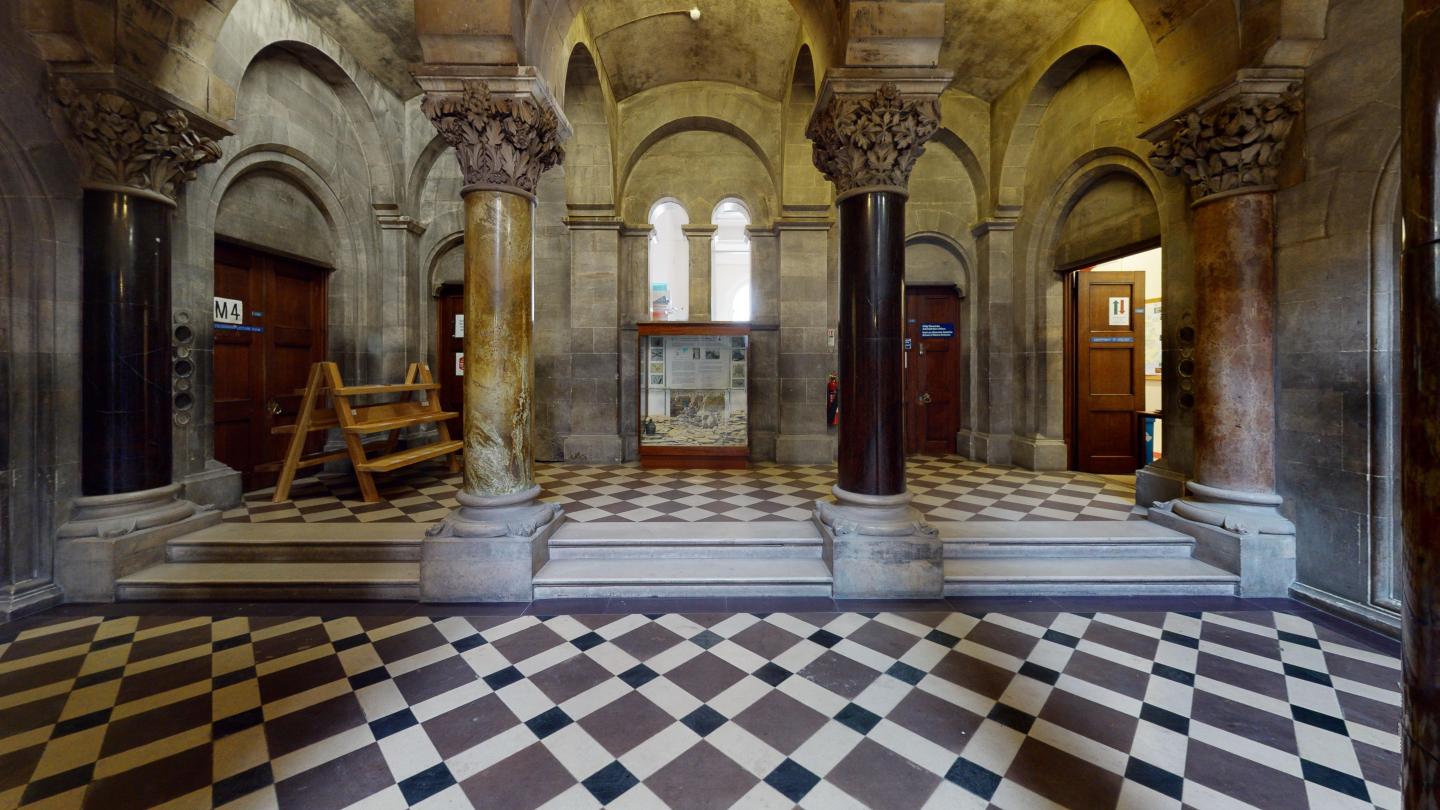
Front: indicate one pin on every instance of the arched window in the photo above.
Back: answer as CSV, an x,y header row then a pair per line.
x,y
730,262
669,262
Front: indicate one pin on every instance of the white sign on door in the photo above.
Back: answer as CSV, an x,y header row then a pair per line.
x,y
229,310
459,364
1120,311
459,330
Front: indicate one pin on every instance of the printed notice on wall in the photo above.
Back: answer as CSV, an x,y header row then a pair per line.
x,y
1120,311
698,362
459,364
229,310
459,326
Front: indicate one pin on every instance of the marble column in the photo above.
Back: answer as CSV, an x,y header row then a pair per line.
x,y
506,131
699,238
136,158
1420,403
1231,504
867,135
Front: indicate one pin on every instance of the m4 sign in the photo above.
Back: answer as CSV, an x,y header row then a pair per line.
x,y
229,310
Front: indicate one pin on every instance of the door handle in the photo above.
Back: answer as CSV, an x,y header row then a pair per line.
x,y
273,407
925,399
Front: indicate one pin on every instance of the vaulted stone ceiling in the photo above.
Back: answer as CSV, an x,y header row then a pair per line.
x,y
647,43
380,34
988,43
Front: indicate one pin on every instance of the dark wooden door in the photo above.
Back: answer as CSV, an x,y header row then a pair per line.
x,y
932,369
1109,373
448,307
262,362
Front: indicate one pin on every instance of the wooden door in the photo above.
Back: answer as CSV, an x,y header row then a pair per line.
x,y
1108,346
261,362
449,306
932,369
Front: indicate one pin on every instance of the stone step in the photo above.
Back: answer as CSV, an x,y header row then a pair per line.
x,y
647,541
1136,576
300,542
695,576
1100,539
230,581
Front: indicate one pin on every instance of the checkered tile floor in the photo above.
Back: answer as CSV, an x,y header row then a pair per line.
x,y
821,710
947,488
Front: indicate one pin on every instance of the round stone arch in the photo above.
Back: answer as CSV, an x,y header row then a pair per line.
x,y
322,56
698,124
1015,161
435,276
1039,296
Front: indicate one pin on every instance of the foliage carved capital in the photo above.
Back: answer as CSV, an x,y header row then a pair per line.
x,y
1233,146
500,142
872,141
131,148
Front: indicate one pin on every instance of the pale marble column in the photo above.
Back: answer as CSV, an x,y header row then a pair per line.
x,y
506,131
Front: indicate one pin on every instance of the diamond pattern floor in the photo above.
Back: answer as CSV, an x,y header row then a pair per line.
x,y
1024,708
946,488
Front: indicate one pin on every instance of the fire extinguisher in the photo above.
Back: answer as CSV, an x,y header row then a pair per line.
x,y
832,401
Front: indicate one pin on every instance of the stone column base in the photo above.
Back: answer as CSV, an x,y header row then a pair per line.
x,y
986,448
879,546
112,536
1039,453
1265,562
1154,483
489,549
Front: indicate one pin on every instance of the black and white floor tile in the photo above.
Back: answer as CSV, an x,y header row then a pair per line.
x,y
946,488
1028,708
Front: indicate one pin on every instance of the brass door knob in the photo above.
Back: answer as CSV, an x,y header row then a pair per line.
x,y
273,406
925,399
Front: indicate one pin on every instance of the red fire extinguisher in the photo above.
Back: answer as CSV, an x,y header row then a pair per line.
x,y
832,401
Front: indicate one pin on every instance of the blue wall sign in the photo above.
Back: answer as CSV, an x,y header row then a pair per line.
x,y
239,327
1112,340
937,330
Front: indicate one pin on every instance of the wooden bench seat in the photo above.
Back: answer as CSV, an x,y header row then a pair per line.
x,y
355,421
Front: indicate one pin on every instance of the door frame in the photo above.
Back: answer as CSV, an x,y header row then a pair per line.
x,y
961,372
258,475
1070,289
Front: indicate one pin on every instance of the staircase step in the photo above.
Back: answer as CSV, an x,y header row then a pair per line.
x,y
300,542
1136,576
1100,539
694,576
270,581
644,541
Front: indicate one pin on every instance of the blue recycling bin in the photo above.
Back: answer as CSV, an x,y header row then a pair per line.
x,y
1148,421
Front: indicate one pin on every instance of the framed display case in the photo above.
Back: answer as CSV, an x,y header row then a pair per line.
x,y
694,391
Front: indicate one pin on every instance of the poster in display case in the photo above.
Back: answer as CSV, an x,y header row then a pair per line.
x,y
693,395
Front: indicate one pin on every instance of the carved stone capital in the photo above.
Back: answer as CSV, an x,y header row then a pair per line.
x,y
871,142
1230,145
132,148
501,141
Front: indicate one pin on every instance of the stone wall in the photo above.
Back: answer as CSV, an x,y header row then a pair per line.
x,y
39,329
1337,255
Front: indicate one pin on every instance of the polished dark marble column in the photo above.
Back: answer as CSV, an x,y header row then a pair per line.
x,y
125,343
872,289
1420,401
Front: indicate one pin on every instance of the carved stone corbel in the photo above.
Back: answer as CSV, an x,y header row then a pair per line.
x,y
871,142
130,148
501,142
1231,144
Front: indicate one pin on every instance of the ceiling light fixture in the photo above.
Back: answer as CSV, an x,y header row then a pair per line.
x,y
695,13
